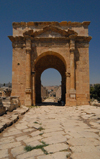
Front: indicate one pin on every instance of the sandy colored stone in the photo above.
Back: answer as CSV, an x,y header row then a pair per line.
x,y
83,141
57,155
31,139
86,155
74,133
12,133
55,139
56,147
3,153
84,149
28,130
18,150
54,48
35,133
21,138
6,140
29,154
10,145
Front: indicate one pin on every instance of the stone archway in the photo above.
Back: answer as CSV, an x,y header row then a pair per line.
x,y
40,45
50,60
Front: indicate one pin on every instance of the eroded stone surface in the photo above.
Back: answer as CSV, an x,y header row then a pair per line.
x,y
67,132
63,46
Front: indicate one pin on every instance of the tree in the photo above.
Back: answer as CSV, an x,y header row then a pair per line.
x,y
95,92
4,84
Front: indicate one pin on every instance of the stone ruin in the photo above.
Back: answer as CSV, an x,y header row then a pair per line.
x,y
7,102
60,45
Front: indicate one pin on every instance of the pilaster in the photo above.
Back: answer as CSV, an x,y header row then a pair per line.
x,y
72,72
67,74
28,91
33,82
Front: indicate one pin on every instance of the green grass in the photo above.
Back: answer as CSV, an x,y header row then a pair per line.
x,y
30,148
43,143
45,152
40,128
41,134
36,122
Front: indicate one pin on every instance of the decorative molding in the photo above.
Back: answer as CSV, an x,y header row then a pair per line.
x,y
28,90
67,74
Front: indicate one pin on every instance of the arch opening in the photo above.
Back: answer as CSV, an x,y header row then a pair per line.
x,y
44,63
50,86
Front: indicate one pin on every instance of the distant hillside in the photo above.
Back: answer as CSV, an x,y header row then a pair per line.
x,y
6,84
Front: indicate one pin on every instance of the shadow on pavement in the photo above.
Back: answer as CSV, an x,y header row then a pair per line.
x,y
49,103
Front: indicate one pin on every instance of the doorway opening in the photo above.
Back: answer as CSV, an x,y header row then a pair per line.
x,y
51,87
49,60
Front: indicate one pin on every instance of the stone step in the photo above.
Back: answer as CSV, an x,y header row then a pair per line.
x,y
11,117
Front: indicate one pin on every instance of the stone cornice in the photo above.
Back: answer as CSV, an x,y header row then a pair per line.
x,y
63,23
50,28
17,38
83,38
23,39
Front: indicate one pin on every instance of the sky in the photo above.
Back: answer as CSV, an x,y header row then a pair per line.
x,y
49,10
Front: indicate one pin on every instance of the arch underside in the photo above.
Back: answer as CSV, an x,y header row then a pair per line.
x,y
45,62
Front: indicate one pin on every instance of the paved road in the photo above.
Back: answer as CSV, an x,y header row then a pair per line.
x,y
70,132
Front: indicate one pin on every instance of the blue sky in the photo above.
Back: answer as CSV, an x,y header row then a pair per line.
x,y
49,10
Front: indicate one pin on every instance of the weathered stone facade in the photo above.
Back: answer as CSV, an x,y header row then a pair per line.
x,y
44,93
41,45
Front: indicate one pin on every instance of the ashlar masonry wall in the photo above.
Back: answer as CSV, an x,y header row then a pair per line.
x,y
41,45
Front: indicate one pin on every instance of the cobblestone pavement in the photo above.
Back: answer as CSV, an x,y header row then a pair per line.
x,y
62,132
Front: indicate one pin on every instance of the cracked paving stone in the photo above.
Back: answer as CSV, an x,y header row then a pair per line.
x,y
18,150
3,153
29,154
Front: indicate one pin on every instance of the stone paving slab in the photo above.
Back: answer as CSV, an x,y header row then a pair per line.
x,y
56,147
86,155
58,155
32,154
3,153
66,132
17,151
